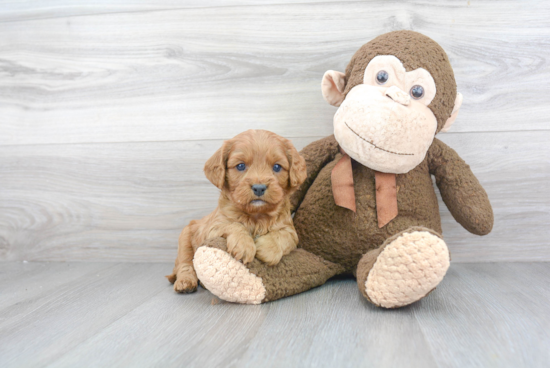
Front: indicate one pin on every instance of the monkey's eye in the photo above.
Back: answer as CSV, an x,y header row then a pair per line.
x,y
417,92
382,77
241,167
277,167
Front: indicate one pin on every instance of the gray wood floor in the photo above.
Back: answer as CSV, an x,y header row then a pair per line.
x,y
126,315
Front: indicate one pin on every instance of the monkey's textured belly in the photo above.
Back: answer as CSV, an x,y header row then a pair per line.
x,y
341,236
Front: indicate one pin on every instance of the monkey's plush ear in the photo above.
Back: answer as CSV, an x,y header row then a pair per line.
x,y
454,114
297,172
333,87
215,167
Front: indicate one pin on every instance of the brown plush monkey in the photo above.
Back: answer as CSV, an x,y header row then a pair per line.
x,y
368,206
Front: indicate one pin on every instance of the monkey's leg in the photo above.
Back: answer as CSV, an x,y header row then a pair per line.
x,y
406,268
257,283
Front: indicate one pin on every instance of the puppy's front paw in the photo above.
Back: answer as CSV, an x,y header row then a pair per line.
x,y
241,248
186,285
268,250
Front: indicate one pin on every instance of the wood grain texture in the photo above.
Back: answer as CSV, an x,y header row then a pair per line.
x,y
77,308
491,308
11,10
127,315
209,73
128,202
26,285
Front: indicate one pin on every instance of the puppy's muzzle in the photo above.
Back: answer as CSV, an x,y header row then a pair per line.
x,y
259,189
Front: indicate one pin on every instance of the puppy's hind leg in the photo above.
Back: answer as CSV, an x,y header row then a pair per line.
x,y
183,276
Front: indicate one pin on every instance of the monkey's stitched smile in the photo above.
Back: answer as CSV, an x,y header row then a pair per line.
x,y
375,146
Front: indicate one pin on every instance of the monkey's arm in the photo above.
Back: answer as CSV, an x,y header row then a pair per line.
x,y
317,154
464,196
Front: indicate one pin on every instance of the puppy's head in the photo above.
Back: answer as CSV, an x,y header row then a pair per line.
x,y
257,169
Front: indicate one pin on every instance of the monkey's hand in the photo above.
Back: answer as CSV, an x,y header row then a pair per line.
x,y
460,190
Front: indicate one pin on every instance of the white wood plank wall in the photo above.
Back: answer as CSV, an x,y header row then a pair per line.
x,y
108,112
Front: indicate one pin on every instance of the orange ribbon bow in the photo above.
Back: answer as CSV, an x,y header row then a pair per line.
x,y
344,193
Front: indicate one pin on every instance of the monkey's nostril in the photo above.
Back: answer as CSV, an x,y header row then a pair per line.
x,y
259,189
397,95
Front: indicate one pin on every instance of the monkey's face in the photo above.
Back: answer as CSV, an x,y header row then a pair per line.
x,y
385,123
390,106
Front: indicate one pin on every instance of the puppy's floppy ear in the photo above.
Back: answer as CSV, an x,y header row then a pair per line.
x,y
215,167
297,172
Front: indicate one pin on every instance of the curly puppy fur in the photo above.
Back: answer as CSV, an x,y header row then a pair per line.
x,y
254,225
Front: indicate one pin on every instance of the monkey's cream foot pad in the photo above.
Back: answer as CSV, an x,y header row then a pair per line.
x,y
227,278
407,269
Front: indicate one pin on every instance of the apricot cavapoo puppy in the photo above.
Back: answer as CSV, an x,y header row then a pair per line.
x,y
256,171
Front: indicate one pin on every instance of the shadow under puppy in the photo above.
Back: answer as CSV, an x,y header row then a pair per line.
x,y
257,171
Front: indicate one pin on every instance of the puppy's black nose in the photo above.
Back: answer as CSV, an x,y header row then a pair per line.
x,y
259,189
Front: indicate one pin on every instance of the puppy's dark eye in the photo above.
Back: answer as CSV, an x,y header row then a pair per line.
x,y
382,77
241,167
417,92
277,167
